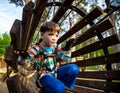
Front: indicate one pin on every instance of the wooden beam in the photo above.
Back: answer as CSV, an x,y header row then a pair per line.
x,y
62,9
14,33
112,75
83,22
95,30
40,6
106,59
97,45
80,89
26,20
98,84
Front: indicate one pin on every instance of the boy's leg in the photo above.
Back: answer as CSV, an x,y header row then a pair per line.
x,y
51,84
67,74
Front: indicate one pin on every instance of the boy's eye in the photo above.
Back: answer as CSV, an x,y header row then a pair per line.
x,y
50,34
53,34
56,35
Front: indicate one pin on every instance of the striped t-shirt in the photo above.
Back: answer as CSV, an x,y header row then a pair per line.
x,y
48,62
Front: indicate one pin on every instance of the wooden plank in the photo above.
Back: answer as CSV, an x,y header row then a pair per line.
x,y
80,89
113,75
19,39
106,59
73,8
62,9
36,18
109,41
95,30
102,85
86,20
26,20
14,33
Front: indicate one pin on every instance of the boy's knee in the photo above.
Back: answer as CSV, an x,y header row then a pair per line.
x,y
52,85
57,88
74,68
60,88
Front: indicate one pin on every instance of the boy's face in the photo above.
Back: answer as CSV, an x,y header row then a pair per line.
x,y
49,39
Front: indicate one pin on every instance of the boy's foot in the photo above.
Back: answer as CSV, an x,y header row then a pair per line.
x,y
41,90
66,91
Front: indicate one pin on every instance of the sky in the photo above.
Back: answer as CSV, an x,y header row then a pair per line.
x,y
8,13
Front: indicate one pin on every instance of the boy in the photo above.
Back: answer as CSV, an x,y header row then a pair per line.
x,y
66,75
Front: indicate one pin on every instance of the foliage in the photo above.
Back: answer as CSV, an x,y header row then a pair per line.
x,y
115,2
17,2
4,41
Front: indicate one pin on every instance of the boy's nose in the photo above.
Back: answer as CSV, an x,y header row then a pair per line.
x,y
54,38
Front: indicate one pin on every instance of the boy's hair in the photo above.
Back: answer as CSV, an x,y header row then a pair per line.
x,y
50,26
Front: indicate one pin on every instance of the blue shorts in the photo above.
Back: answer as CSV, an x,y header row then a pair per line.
x,y
66,77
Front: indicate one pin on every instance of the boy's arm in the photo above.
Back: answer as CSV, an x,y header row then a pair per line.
x,y
33,52
65,53
29,54
22,56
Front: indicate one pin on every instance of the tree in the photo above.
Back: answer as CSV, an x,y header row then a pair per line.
x,y
4,41
19,2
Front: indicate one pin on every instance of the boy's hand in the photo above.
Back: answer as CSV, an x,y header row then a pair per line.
x,y
69,44
24,54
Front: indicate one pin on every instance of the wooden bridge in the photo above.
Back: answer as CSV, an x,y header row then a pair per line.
x,y
88,42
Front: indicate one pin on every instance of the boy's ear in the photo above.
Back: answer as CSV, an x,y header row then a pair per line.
x,y
41,34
